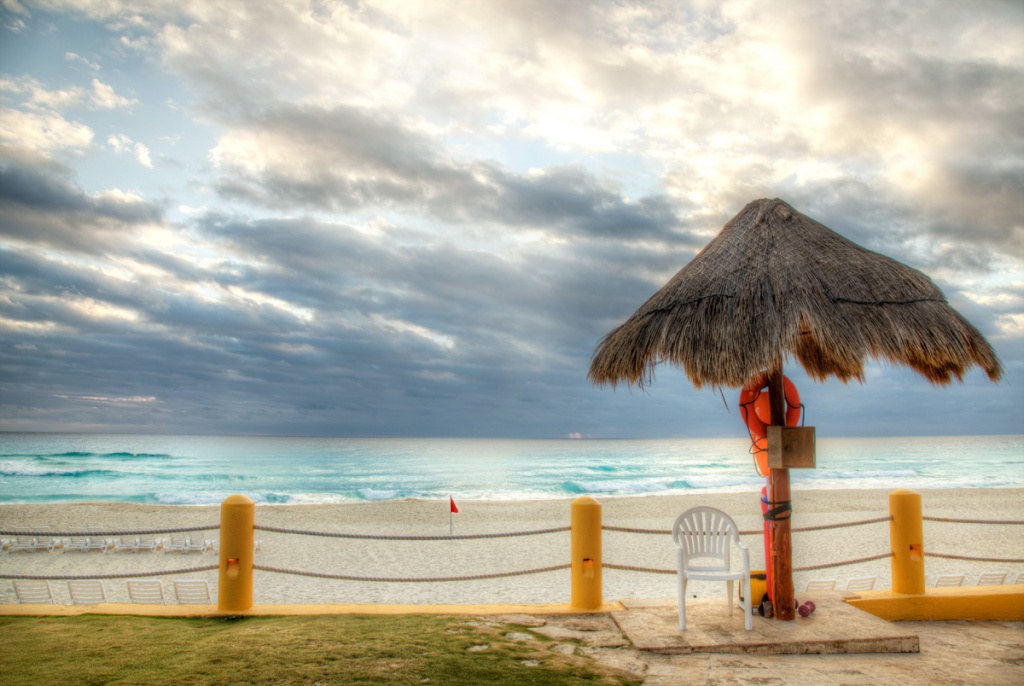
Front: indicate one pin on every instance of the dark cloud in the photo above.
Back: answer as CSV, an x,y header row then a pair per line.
x,y
45,209
352,159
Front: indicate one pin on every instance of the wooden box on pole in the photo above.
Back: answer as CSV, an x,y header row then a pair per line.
x,y
791,447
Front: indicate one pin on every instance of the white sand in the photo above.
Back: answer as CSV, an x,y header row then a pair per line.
x,y
369,558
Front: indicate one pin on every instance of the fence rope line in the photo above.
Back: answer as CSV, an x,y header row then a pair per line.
x,y
120,575
973,521
386,537
752,532
90,532
975,559
345,577
809,568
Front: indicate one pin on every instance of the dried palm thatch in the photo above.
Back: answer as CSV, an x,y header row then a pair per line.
x,y
775,283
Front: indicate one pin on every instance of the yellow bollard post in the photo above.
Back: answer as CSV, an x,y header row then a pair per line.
x,y
586,554
906,537
237,540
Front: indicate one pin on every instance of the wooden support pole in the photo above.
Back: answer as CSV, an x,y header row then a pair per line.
x,y
782,547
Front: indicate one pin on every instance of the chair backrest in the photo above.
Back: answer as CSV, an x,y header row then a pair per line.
x,y
177,541
151,592
33,591
192,592
862,583
821,585
86,592
991,578
79,537
197,541
949,580
705,533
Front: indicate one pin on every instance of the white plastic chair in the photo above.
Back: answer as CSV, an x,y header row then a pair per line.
x,y
861,583
151,592
33,591
949,580
704,537
1019,579
991,578
192,592
86,592
821,585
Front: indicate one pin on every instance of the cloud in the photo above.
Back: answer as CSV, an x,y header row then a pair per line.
x,y
419,218
46,210
104,97
74,57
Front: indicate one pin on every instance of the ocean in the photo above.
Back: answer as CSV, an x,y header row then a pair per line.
x,y
187,470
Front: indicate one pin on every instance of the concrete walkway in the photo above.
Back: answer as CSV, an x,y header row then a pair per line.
x,y
952,652
835,627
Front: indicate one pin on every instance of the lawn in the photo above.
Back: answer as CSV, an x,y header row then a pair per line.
x,y
338,649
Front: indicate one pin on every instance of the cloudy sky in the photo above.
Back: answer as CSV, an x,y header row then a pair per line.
x,y
391,217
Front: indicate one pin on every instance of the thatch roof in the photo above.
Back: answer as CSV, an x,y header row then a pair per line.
x,y
775,284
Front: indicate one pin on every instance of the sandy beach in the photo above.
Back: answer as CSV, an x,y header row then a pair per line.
x,y
445,558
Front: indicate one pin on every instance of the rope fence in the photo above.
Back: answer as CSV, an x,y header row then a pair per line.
x,y
972,521
387,537
811,568
120,575
975,559
90,532
753,532
411,579
26,532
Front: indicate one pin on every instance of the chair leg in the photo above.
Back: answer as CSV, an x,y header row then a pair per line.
x,y
682,604
748,604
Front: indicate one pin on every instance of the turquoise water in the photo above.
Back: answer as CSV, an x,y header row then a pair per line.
x,y
206,469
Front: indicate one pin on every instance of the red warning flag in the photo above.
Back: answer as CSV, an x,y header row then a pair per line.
x,y
454,508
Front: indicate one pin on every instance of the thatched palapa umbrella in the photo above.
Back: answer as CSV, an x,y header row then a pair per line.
x,y
774,284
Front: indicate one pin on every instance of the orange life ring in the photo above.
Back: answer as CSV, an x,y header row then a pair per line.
x,y
760,450
755,409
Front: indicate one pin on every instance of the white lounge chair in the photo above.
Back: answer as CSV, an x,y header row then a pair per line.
x,y
861,583
86,592
79,540
99,540
991,578
949,580
197,542
821,585
704,537
31,542
82,541
33,591
146,542
176,543
151,592
1019,579
192,592
124,543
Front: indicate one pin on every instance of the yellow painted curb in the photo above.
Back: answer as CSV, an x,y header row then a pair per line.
x,y
994,603
33,610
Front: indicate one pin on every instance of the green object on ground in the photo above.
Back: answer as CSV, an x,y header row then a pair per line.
x,y
340,649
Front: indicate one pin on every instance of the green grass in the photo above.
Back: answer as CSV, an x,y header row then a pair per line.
x,y
341,649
